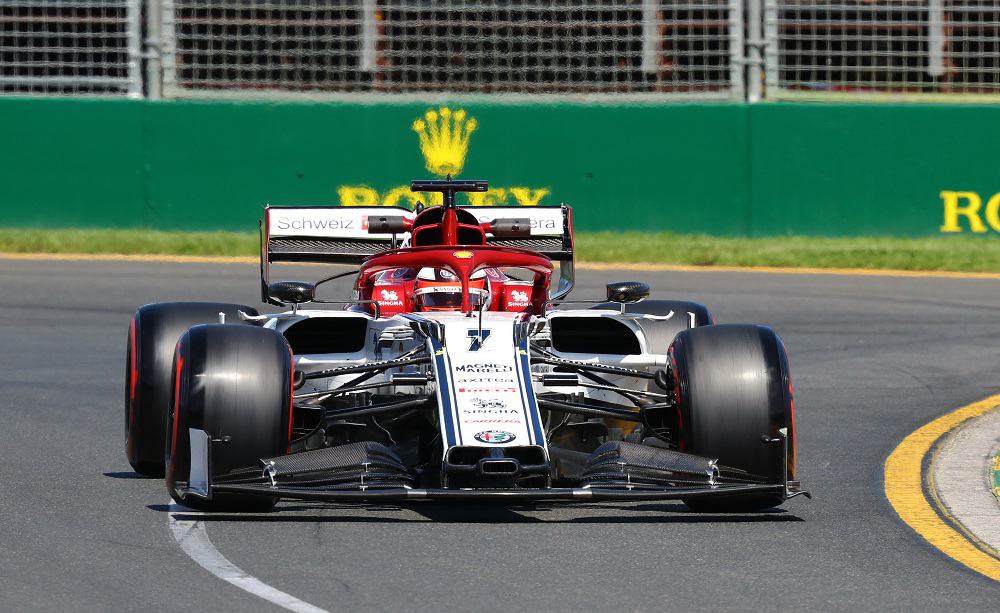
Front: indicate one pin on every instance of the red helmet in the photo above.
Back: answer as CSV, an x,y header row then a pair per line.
x,y
437,289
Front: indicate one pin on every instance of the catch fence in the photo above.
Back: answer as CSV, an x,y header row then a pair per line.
x,y
870,50
70,47
422,48
534,50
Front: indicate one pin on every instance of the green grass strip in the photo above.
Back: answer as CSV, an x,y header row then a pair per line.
x,y
130,242
952,253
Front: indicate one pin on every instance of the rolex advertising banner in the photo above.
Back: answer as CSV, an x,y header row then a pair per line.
x,y
722,169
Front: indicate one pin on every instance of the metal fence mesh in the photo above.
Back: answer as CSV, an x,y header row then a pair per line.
x,y
392,47
70,47
352,49
905,48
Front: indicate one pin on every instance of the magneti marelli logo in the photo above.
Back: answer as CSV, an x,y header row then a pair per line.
x,y
444,137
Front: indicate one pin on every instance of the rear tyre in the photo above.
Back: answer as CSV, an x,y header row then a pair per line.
x,y
735,395
234,383
152,337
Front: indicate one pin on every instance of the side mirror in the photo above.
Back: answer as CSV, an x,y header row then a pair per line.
x,y
627,291
514,227
386,224
292,292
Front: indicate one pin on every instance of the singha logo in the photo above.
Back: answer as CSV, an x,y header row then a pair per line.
x,y
388,294
518,296
444,140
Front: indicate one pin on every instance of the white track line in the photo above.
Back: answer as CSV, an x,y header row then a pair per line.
x,y
191,536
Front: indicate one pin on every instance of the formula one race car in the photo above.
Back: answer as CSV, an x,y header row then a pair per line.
x,y
455,372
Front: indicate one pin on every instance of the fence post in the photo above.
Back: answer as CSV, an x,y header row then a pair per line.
x,y
737,56
167,44
133,16
771,47
935,38
650,38
154,50
369,33
755,44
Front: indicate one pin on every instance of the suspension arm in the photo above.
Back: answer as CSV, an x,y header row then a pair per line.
x,y
588,409
547,358
422,402
372,367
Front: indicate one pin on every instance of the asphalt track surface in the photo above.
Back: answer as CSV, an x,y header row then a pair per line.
x,y
872,359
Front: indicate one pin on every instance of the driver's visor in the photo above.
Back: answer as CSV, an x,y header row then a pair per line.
x,y
448,297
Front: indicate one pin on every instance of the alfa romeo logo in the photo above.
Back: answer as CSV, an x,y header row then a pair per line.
x,y
497,437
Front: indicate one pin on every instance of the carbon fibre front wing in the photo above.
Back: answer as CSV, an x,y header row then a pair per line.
x,y
368,471
789,490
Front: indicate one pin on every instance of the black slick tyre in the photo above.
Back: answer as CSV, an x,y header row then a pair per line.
x,y
735,400
152,337
234,383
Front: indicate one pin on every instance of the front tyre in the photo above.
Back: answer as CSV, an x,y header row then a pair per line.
x,y
735,399
232,390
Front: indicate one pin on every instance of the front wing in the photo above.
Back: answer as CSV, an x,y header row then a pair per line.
x,y
789,490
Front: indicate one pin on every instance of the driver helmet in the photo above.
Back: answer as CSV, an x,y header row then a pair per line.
x,y
437,289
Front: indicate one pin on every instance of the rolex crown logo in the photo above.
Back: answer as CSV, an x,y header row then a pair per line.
x,y
444,140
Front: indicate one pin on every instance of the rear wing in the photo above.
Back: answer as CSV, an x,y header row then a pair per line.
x,y
348,235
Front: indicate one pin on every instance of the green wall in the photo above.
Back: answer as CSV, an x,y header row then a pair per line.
x,y
867,169
729,169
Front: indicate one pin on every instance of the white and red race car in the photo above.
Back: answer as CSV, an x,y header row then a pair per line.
x,y
456,370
